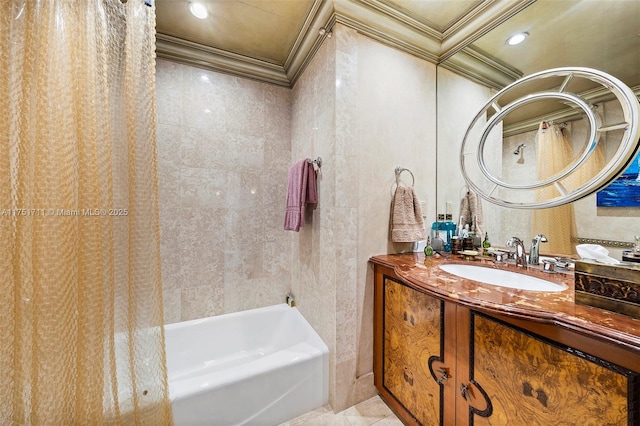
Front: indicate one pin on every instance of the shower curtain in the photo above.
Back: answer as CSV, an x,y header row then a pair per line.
x,y
554,153
81,326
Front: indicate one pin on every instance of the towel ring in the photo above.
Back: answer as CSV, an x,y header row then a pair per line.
x,y
402,169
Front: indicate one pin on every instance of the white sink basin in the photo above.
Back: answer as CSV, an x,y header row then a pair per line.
x,y
502,278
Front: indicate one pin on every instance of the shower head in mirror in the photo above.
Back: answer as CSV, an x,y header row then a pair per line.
x,y
520,151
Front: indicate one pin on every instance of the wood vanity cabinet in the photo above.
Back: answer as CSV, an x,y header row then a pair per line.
x,y
413,341
440,363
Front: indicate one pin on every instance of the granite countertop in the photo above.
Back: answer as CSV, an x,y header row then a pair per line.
x,y
559,308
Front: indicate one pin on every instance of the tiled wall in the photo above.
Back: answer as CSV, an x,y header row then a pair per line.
x,y
365,108
313,255
224,147
223,154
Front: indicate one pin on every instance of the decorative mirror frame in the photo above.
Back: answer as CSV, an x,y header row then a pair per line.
x,y
624,154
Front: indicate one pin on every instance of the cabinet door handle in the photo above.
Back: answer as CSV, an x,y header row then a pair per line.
x,y
444,376
408,376
464,392
444,371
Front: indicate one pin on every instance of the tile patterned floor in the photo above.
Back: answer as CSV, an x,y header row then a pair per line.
x,y
370,412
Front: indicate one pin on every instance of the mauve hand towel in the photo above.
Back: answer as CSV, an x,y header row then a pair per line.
x,y
407,225
312,188
297,179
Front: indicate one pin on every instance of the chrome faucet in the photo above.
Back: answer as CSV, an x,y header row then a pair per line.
x,y
521,255
534,257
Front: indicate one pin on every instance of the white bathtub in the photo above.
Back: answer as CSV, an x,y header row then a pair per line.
x,y
259,367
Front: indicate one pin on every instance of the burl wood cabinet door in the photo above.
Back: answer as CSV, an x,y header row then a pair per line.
x,y
412,348
519,378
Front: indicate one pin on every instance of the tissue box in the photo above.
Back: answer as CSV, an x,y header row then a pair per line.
x,y
612,287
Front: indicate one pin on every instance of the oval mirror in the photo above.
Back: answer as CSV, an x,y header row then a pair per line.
x,y
567,169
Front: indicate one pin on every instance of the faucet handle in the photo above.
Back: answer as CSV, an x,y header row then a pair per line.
x,y
549,266
500,256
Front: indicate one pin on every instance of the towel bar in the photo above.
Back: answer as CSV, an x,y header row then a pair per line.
x,y
317,162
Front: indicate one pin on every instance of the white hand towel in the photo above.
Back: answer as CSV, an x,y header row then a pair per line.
x,y
596,252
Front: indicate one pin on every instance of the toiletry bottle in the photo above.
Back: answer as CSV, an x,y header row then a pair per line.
x,y
450,229
449,226
437,243
456,244
435,227
477,240
428,250
633,255
486,244
443,228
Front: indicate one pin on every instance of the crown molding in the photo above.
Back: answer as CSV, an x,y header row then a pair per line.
x,y
479,22
482,68
309,40
201,56
374,19
383,9
390,27
312,23
473,11
593,96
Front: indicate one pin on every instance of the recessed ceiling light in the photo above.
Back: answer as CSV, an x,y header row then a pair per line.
x,y
198,10
516,39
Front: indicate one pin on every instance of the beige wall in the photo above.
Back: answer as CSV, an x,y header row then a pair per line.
x,y
459,100
224,147
223,154
313,250
396,127
365,108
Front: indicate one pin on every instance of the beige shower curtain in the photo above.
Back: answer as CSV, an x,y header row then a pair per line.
x,y
81,336
554,153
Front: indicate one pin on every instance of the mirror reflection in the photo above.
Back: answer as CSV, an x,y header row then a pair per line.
x,y
513,149
565,171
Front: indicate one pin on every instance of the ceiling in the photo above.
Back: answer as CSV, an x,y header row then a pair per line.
x,y
273,40
262,29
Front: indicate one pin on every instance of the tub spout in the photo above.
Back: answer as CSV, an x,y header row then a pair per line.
x,y
290,300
